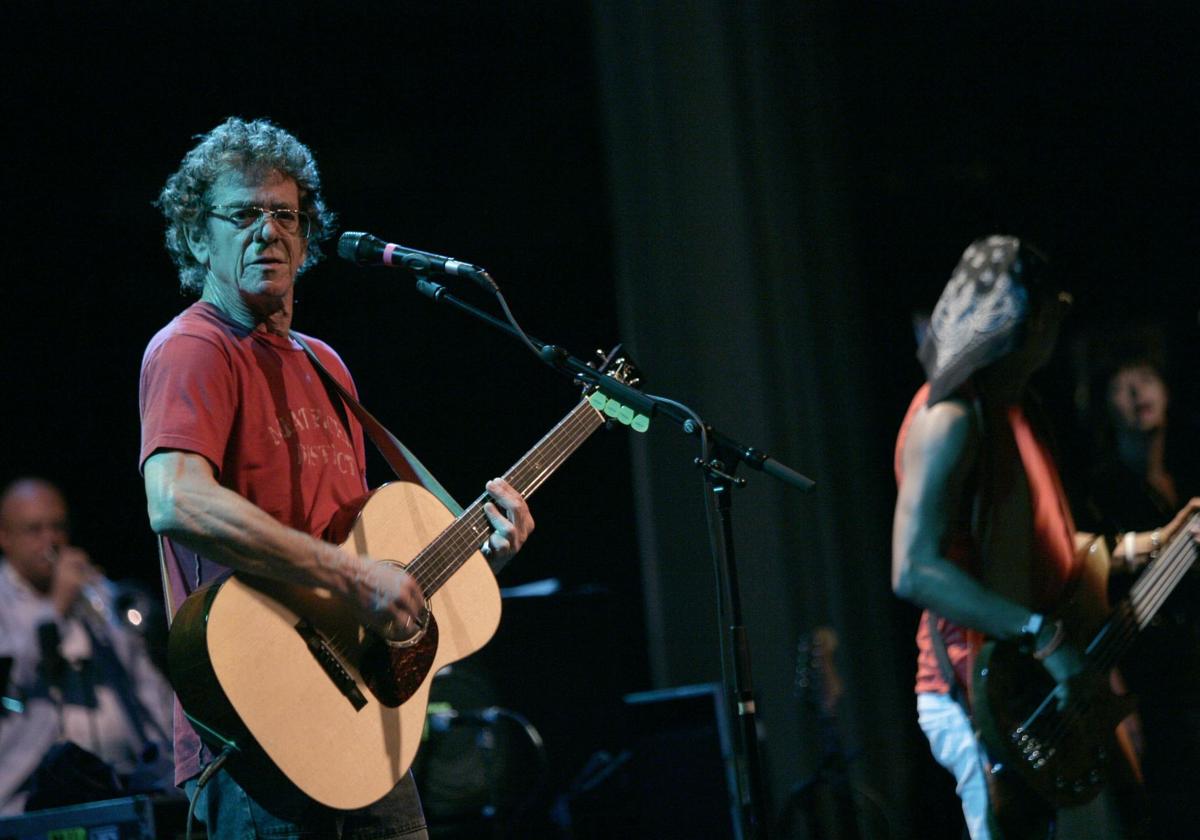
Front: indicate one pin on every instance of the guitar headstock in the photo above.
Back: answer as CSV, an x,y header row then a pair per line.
x,y
818,683
621,368
617,364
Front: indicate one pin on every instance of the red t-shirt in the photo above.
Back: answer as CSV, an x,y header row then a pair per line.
x,y
1054,548
253,405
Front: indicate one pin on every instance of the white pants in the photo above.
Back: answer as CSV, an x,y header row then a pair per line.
x,y
955,747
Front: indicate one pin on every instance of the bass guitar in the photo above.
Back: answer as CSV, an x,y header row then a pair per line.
x,y
1062,755
288,672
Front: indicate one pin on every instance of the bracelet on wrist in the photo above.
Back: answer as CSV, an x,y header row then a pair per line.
x,y
1130,548
1054,642
1027,639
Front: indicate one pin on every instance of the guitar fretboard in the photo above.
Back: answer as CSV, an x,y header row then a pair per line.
x,y
1145,599
446,554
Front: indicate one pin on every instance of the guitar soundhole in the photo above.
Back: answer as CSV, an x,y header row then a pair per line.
x,y
394,674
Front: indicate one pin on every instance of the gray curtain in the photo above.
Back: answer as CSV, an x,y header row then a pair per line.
x,y
738,295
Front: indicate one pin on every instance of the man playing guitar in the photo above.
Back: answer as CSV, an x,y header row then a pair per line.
x,y
247,458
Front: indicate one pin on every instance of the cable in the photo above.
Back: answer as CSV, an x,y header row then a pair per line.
x,y
205,776
513,320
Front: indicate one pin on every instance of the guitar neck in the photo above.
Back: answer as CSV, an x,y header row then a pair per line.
x,y
446,554
1145,599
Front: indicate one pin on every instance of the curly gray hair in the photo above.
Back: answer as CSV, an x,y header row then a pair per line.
x,y
258,146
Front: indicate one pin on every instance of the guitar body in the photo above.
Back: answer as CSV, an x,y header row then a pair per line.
x,y
337,710
1043,758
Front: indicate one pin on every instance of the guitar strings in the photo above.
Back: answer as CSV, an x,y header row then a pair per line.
x,y
447,552
450,553
468,526
1146,596
433,566
1112,641
1153,586
1152,589
527,477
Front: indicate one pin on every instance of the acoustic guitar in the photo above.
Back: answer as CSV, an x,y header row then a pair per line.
x,y
288,672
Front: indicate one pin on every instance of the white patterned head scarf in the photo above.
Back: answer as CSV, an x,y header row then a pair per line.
x,y
977,318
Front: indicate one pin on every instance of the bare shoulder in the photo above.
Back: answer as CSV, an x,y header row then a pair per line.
x,y
941,438
947,423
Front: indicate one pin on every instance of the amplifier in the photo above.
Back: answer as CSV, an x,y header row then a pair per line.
x,y
673,780
130,818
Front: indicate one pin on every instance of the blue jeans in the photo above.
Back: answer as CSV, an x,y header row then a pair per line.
x,y
229,813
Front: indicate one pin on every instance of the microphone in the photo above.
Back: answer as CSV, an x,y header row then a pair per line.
x,y
364,249
91,594
93,598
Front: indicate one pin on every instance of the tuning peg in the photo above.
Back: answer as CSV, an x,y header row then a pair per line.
x,y
623,414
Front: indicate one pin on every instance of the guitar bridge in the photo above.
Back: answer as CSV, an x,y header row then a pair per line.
x,y
1033,750
331,664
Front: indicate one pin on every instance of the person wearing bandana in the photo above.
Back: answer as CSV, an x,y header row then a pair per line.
x,y
983,537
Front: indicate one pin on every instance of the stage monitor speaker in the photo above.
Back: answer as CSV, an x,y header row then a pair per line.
x,y
682,766
674,778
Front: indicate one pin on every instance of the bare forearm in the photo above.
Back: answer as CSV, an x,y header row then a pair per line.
x,y
187,504
229,530
190,508
942,587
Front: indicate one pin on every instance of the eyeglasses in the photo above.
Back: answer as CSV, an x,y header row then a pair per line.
x,y
247,216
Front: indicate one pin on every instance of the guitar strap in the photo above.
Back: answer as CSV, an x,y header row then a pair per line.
x,y
402,461
958,691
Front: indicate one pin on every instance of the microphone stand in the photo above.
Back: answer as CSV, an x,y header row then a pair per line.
x,y
719,462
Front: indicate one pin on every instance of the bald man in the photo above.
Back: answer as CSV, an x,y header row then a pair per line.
x,y
76,674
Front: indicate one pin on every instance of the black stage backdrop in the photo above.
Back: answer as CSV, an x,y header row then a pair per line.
x,y
755,196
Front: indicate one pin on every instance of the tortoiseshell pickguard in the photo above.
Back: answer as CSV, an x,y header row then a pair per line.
x,y
394,674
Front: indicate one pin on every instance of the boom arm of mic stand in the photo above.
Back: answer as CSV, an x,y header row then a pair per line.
x,y
552,355
763,462
557,357
561,360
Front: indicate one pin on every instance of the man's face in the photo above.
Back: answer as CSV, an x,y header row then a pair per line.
x,y
33,526
257,263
